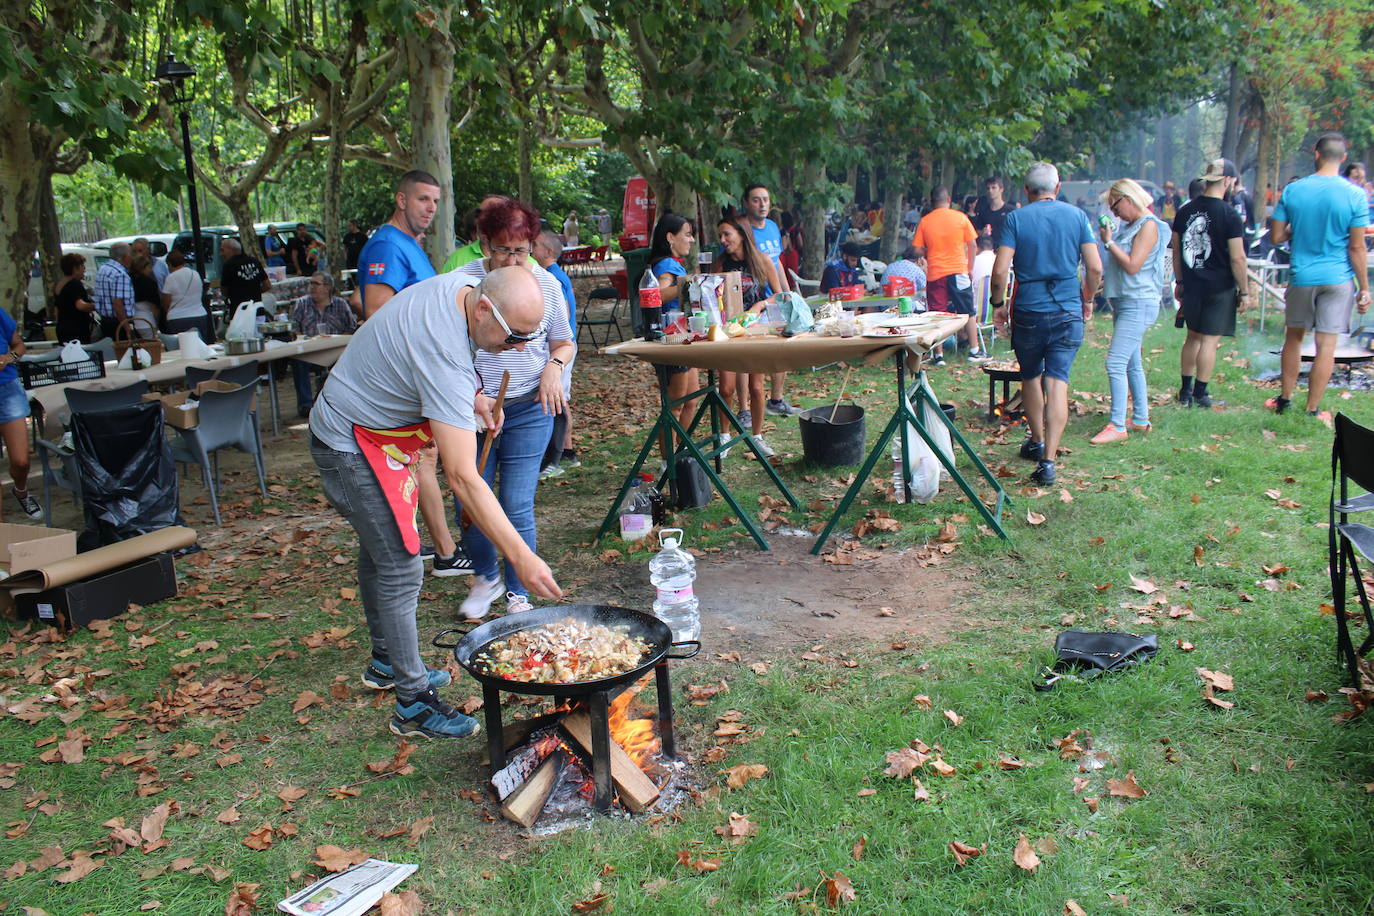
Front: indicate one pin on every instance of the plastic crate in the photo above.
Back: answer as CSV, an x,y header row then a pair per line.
x,y
37,375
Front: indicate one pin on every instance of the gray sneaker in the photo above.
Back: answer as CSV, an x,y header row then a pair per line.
x,y
746,419
779,407
427,716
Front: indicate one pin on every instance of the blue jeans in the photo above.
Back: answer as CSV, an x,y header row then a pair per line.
x,y
515,459
302,373
389,576
1131,318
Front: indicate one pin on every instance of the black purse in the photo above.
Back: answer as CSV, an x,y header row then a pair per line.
x,y
1095,654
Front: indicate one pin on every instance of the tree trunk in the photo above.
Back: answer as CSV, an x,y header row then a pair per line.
x,y
892,219
333,178
430,72
49,242
852,180
1192,139
947,175
241,209
1164,146
1262,182
1235,99
1139,154
525,144
812,219
19,180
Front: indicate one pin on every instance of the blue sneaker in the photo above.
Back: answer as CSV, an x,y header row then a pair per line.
x,y
427,716
381,676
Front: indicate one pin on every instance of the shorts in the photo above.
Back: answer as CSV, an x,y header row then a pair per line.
x,y
567,377
1212,314
666,372
14,401
1046,342
946,295
1325,309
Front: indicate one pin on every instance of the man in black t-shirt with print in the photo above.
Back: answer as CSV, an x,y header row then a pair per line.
x,y
242,276
1209,264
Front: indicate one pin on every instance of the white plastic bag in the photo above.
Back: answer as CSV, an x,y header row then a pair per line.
x,y
924,476
73,352
145,359
244,323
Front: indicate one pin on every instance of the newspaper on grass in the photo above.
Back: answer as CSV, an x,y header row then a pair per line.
x,y
349,893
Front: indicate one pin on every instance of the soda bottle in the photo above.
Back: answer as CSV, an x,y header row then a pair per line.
x,y
656,505
672,571
898,470
651,306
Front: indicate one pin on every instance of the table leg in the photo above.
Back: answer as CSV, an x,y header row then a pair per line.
x,y
664,689
272,396
491,710
601,750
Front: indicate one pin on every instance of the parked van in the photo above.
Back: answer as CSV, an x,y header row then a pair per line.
x,y
211,236
158,242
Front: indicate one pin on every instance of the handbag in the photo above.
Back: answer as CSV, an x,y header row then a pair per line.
x,y
1095,654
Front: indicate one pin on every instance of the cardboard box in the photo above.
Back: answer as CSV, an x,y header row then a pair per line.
x,y
173,411
102,596
28,547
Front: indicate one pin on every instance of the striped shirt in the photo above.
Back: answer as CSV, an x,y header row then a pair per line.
x,y
525,366
113,282
337,317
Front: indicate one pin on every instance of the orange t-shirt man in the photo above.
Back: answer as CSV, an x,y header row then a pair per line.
x,y
948,238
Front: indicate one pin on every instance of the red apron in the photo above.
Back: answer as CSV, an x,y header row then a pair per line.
x,y
392,454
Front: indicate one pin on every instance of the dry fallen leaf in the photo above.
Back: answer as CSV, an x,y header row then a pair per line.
x,y
1126,788
902,763
954,717
1071,908
1218,679
1092,804
335,858
305,699
243,900
1024,856
292,794
1034,518
406,903
595,902
261,838
737,776
738,830
921,793
684,858
1144,586
229,815
963,852
942,769
81,865
858,851
838,890
864,793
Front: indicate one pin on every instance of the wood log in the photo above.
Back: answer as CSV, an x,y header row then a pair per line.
x,y
637,790
525,804
517,731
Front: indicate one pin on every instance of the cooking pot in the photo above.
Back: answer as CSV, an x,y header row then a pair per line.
x,y
639,625
243,345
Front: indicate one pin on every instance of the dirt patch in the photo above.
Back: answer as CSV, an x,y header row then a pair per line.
x,y
762,603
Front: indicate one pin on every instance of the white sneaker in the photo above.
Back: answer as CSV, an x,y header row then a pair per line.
x,y
764,448
721,440
517,603
478,602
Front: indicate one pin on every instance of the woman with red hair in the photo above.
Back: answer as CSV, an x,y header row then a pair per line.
x,y
507,229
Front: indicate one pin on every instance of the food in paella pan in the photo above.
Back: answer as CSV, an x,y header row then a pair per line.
x,y
563,652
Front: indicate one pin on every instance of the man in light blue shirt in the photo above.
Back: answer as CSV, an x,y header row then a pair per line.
x,y
392,259
1325,216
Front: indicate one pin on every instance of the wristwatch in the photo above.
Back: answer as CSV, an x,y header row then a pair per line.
x,y
555,359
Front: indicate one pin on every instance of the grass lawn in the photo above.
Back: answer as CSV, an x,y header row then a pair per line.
x,y
235,711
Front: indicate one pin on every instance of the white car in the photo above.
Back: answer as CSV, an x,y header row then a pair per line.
x,y
95,255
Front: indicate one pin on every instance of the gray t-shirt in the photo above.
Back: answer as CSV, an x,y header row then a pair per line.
x,y
411,361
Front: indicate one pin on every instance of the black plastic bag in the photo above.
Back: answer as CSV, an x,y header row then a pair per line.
x,y
128,481
1096,654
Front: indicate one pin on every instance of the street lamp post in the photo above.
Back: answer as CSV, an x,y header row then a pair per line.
x,y
176,73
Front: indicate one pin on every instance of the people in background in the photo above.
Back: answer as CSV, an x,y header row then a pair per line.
x,y
534,396
991,210
241,276
183,299
767,238
948,239
1210,280
353,241
844,270
141,247
318,312
74,306
1135,274
1169,201
14,412
909,265
571,228
668,248
1327,219
560,453
114,290
1046,241
147,297
274,247
757,278
298,251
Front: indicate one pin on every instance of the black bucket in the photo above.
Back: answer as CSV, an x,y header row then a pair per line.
x,y
948,410
833,444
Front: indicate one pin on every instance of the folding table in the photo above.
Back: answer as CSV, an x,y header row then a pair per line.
x,y
766,355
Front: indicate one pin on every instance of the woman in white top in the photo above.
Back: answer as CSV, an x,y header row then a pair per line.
x,y
182,299
570,229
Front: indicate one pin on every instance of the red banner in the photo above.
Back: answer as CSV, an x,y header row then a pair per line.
x,y
639,211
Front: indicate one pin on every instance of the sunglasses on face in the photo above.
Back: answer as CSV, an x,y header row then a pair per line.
x,y
512,338
510,252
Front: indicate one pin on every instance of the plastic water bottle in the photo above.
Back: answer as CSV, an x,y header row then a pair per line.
x,y
636,513
899,477
672,571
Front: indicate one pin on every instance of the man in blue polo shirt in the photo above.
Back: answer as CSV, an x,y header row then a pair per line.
x,y
392,259
1326,217
1045,240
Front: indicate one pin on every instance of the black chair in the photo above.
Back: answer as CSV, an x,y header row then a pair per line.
x,y
585,320
1352,461
86,400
